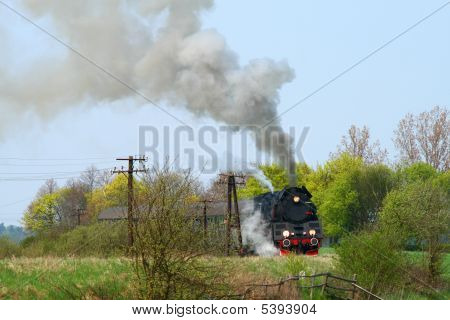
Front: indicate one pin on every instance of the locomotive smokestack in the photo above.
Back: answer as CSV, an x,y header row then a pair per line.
x,y
175,62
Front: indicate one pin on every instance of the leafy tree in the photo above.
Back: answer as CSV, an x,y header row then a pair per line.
x,y
274,173
168,243
303,171
420,211
72,202
419,171
43,213
372,184
349,193
333,187
113,194
277,176
252,188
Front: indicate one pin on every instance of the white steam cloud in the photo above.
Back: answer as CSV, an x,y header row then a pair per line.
x,y
255,233
261,177
159,48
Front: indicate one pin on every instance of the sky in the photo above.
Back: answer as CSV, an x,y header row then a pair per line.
x,y
319,40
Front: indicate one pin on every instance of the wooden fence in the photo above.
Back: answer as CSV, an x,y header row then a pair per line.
x,y
330,285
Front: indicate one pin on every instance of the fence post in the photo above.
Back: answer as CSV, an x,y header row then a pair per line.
x,y
312,287
325,284
354,288
280,283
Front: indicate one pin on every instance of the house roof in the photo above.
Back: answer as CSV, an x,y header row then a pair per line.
x,y
212,209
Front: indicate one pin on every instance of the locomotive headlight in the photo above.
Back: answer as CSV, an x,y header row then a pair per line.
x,y
296,199
312,232
286,233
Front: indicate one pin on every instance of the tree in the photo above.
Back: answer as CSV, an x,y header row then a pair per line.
x,y
50,186
169,241
91,178
419,171
334,193
113,194
420,211
373,183
357,144
349,193
43,213
14,233
275,174
425,138
73,202
217,191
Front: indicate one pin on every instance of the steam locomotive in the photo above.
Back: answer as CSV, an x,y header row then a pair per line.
x,y
289,216
292,220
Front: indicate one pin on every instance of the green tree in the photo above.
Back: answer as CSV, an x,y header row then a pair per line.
x,y
333,186
419,171
43,213
349,193
372,184
420,211
274,173
277,176
169,242
113,194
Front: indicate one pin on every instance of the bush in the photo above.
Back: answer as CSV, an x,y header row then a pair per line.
x,y
375,259
8,248
420,211
98,239
168,245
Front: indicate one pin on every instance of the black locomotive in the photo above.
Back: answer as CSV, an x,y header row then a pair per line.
x,y
292,220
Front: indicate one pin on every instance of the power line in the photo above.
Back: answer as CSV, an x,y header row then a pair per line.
x,y
13,203
339,75
46,173
53,159
35,179
52,164
43,178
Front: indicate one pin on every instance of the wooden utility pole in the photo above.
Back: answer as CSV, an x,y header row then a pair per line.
x,y
205,218
129,174
230,180
80,211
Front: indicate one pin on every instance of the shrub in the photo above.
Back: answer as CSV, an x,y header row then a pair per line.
x,y
420,211
168,245
98,239
374,258
8,248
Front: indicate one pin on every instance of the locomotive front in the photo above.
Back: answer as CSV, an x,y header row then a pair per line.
x,y
294,224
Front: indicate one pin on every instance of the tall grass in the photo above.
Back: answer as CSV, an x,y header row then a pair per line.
x,y
94,240
8,248
68,278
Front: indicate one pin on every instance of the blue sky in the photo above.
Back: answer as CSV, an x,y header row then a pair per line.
x,y
319,39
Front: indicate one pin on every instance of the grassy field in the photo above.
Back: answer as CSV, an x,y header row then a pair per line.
x,y
112,278
65,278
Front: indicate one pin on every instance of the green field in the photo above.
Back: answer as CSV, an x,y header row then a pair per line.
x,y
113,278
